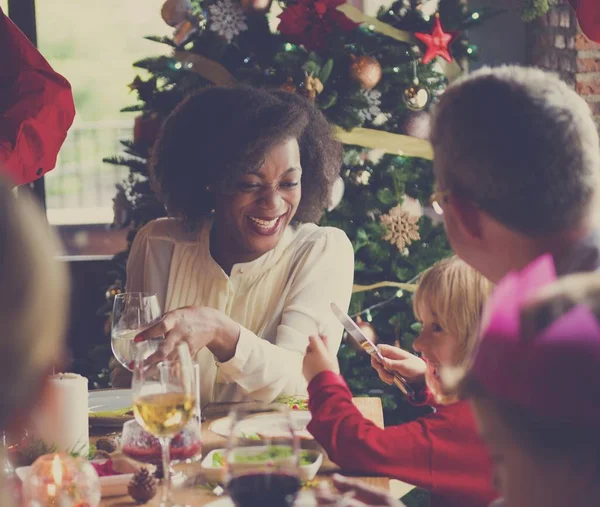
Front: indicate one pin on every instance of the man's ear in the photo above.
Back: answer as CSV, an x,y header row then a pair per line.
x,y
467,216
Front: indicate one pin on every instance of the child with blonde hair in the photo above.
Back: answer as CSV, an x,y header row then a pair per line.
x,y
33,308
535,387
440,452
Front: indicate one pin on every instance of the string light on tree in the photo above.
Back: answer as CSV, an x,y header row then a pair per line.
x,y
437,42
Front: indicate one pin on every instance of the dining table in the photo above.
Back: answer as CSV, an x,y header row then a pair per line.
x,y
195,490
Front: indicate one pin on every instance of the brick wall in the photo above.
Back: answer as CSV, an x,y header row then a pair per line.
x,y
554,42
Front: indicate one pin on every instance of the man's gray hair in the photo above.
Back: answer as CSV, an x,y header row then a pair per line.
x,y
521,144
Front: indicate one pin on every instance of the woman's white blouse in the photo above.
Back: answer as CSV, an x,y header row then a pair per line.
x,y
279,300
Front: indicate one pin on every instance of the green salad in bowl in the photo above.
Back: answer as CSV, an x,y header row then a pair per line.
x,y
310,460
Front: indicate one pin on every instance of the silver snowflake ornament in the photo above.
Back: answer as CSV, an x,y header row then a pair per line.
x,y
227,19
373,110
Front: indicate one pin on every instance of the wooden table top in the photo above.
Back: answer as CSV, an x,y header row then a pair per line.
x,y
192,493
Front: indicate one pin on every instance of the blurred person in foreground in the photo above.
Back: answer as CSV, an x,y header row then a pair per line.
x,y
535,387
33,310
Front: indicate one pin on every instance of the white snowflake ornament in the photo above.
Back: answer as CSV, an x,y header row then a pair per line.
x,y
373,110
227,19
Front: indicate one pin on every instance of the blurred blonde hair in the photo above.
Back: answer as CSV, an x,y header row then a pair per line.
x,y
33,302
456,293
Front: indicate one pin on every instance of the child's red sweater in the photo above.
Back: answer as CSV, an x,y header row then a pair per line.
x,y
440,452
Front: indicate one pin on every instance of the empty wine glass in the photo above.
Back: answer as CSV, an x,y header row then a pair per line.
x,y
132,313
262,458
164,402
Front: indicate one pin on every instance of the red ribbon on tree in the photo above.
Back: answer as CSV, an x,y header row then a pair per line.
x,y
310,22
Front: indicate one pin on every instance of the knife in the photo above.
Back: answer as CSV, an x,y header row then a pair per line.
x,y
368,346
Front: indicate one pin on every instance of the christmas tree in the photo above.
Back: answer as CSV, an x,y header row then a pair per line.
x,y
374,79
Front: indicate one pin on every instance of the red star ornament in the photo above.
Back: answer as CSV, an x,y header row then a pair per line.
x,y
437,42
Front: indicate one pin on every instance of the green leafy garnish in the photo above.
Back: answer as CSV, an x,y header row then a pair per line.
x,y
294,402
273,452
217,460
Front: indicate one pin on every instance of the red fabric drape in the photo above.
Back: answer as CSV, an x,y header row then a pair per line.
x,y
36,105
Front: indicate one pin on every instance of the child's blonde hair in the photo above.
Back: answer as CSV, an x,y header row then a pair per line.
x,y
456,293
33,302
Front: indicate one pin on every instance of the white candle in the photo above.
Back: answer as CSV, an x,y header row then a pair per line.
x,y
63,421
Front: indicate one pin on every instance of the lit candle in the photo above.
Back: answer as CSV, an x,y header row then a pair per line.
x,y
60,480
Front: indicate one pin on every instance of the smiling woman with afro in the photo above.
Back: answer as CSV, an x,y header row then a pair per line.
x,y
241,269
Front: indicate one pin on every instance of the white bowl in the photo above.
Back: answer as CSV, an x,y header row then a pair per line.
x,y
217,473
110,485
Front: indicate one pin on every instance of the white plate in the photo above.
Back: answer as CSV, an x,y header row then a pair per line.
x,y
217,474
260,425
110,485
304,499
106,400
109,399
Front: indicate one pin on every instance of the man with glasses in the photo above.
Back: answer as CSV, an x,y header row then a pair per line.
x,y
517,165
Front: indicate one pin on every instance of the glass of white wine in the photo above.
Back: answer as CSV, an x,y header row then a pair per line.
x,y
164,402
132,313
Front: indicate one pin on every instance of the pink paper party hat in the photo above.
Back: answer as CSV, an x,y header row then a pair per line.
x,y
554,374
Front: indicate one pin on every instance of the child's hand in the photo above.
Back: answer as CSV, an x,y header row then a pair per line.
x,y
318,358
411,367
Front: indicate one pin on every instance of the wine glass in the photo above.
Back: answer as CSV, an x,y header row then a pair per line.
x,y
132,313
164,402
139,445
262,458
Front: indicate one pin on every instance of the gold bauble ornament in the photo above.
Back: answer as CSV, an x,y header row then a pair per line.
x,y
184,31
288,86
256,6
312,87
175,12
366,70
368,330
416,97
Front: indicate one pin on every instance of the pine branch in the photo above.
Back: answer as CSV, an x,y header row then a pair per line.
x,y
534,9
162,40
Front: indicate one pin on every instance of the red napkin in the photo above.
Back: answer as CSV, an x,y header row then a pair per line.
x,y
36,107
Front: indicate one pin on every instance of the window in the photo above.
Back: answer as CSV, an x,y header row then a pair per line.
x,y
95,53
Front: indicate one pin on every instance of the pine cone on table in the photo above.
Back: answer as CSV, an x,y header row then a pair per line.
x,y
142,488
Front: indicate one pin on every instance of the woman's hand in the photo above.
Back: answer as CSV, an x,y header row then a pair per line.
x,y
411,367
354,494
318,358
199,327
